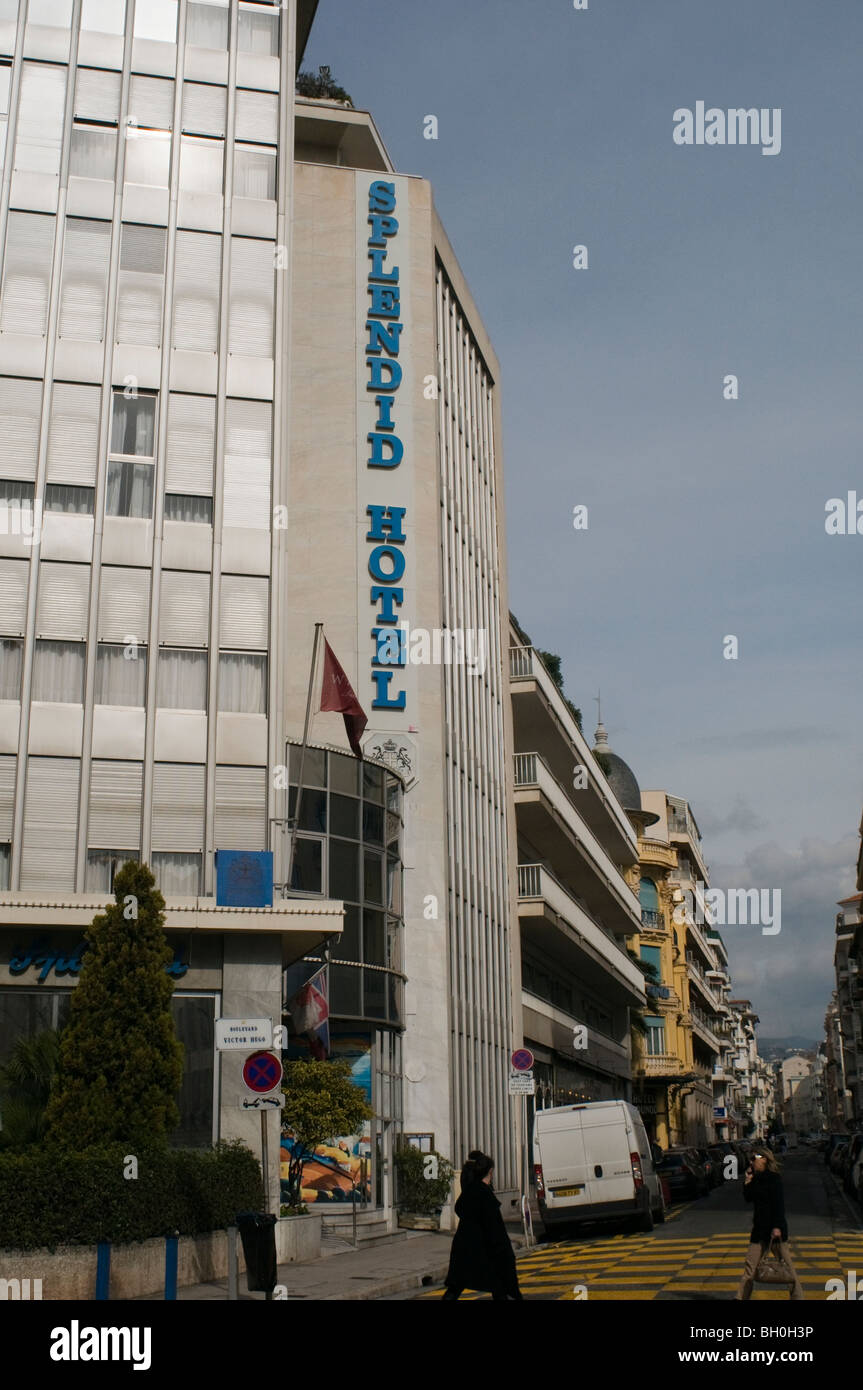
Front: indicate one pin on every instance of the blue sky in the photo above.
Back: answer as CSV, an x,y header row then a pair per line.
x,y
706,516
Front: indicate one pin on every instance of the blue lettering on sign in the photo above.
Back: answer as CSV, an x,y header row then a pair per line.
x,y
386,564
40,953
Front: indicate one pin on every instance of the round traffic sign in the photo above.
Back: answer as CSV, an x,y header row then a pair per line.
x,y
522,1059
262,1072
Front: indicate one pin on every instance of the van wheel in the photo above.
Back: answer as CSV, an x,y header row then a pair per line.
x,y
646,1222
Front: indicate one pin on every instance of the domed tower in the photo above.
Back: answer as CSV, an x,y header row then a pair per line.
x,y
622,781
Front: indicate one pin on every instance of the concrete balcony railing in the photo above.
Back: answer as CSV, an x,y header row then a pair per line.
x,y
661,1064
531,771
535,882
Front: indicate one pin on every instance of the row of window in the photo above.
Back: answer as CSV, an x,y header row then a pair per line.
x,y
148,161
206,24
121,678
129,493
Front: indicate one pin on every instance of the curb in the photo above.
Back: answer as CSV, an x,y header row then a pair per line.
x,y
421,1279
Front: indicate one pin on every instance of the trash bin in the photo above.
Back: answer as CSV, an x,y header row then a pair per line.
x,y
258,1234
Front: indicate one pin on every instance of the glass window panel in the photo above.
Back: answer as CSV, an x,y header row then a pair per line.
x,y
133,425
394,886
313,808
394,944
180,507
13,490
394,794
60,497
314,767
11,665
243,682
259,33
254,173
344,773
148,157
345,990
93,152
201,165
373,782
5,861
182,679
374,938
52,12
104,16
121,679
306,876
372,877
207,26
374,994
344,875
156,19
40,118
347,947
344,816
5,81
130,489
177,873
373,823
194,1026
393,827
103,864
58,672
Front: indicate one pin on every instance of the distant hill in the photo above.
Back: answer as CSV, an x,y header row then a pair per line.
x,y
771,1048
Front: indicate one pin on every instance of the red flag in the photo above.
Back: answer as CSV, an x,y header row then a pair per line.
x,y
337,694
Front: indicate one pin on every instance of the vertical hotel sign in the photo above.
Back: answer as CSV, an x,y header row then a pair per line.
x,y
385,523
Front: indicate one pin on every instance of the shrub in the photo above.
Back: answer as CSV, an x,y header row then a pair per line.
x,y
417,1193
52,1197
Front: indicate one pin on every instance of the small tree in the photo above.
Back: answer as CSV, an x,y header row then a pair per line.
x,y
25,1086
424,1180
321,84
322,1100
120,1064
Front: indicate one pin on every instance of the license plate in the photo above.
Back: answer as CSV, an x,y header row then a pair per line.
x,y
566,1191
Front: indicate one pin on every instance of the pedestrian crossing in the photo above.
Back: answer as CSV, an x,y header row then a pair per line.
x,y
650,1267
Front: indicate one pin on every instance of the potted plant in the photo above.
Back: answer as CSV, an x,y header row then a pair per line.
x,y
424,1182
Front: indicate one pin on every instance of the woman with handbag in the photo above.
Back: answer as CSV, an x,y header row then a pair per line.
x,y
762,1186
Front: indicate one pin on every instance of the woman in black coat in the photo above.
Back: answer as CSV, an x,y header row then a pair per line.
x,y
762,1186
482,1256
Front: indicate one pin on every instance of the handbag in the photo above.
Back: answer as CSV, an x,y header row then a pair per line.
x,y
772,1268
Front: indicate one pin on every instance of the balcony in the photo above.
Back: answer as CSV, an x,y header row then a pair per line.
x,y
657,852
578,943
702,1024
542,720
661,1064
549,819
652,919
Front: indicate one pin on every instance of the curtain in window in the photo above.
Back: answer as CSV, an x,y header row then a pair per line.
x,y
133,424
177,873
120,679
5,859
242,682
254,174
207,26
102,865
40,118
77,500
93,153
259,33
103,16
58,672
11,660
182,680
130,489
179,507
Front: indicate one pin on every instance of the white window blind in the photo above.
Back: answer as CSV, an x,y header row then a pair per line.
x,y
13,596
50,824
142,277
124,604
40,118
196,291
7,795
184,613
257,117
151,102
26,273
115,804
178,807
61,607
73,438
204,108
241,808
191,445
84,281
20,408
248,435
250,320
243,619
97,95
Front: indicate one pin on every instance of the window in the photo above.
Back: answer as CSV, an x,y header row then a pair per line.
x,y
156,19
207,26
130,484
103,864
58,672
121,678
655,1036
5,80
651,955
182,679
26,273
177,873
142,275
5,861
307,871
94,150
254,172
179,507
84,280
40,118
243,682
104,16
252,291
202,163
259,33
148,156
61,498
11,490
11,665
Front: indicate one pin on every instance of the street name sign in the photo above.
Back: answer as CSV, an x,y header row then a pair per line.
x,y
243,1034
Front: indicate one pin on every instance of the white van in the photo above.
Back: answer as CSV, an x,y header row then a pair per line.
x,y
594,1162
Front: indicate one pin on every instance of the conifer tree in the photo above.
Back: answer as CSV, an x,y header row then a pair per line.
x,y
120,1064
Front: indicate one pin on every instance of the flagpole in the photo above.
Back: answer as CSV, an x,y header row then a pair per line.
x,y
319,627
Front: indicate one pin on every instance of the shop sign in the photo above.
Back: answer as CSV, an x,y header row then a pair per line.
x,y
43,956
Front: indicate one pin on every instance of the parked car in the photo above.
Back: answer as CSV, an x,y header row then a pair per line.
x,y
852,1153
856,1178
686,1175
837,1156
830,1145
719,1153
594,1162
712,1168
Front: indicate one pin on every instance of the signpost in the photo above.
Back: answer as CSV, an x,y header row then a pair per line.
x,y
262,1074
522,1059
521,1083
